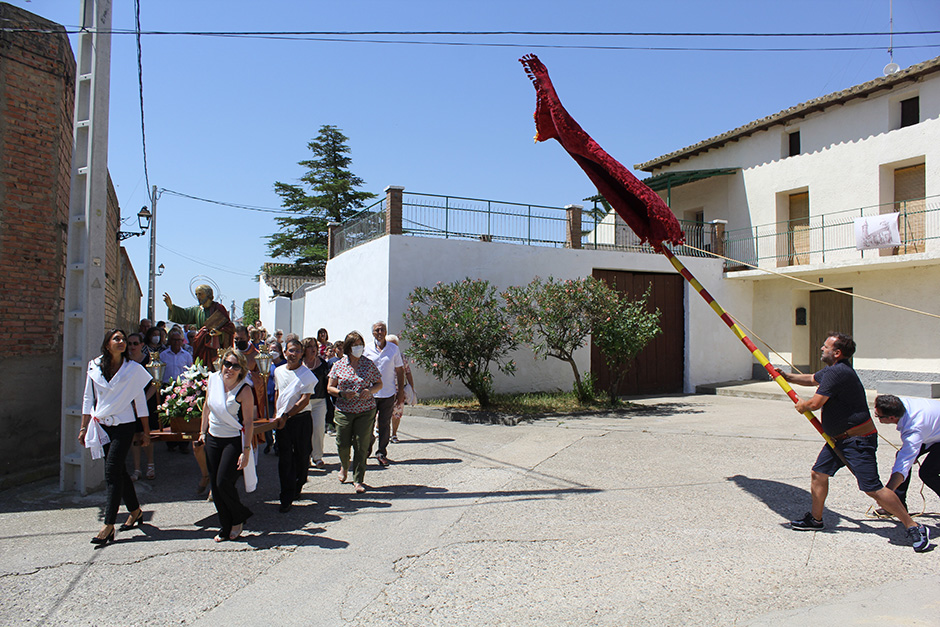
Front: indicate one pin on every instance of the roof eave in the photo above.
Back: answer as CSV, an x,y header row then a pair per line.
x,y
913,74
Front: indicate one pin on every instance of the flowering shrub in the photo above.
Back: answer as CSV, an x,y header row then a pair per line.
x,y
623,329
185,395
556,318
457,330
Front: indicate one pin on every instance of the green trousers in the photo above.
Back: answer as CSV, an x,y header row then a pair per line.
x,y
354,430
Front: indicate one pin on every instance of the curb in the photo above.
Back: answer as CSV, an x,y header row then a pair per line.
x,y
496,418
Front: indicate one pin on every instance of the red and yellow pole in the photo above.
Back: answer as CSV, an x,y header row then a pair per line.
x,y
736,329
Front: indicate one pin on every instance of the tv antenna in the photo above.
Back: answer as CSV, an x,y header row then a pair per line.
x,y
892,67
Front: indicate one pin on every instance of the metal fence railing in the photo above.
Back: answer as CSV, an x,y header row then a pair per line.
x,y
612,233
830,237
814,239
454,217
457,217
366,225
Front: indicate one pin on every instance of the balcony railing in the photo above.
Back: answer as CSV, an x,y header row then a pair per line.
x,y
365,226
456,217
830,238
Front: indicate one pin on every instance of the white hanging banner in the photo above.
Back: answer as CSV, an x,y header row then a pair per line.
x,y
877,232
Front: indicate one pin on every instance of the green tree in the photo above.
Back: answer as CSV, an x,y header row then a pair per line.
x,y
557,317
250,311
457,330
623,329
332,197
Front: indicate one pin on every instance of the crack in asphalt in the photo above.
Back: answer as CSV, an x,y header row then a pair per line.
x,y
146,558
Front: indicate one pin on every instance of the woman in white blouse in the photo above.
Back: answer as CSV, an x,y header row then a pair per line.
x,y
228,419
114,399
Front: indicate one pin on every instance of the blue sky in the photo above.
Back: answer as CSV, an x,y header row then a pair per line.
x,y
227,117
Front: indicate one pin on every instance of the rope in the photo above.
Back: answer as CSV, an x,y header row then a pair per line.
x,y
815,285
771,349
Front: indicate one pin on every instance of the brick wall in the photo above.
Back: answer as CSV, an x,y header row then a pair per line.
x,y
37,90
128,306
36,95
37,74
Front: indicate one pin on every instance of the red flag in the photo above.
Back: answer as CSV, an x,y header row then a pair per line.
x,y
640,207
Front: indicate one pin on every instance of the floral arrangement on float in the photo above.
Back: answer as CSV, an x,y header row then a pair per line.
x,y
183,399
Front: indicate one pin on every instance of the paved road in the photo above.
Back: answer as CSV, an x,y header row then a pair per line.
x,y
673,514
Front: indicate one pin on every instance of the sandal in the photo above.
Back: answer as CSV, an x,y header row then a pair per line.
x,y
360,488
342,475
151,472
235,532
135,476
203,484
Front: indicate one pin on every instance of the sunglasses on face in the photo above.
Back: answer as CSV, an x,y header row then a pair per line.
x,y
231,364
133,343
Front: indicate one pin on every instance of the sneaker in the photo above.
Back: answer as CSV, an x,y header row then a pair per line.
x,y
382,459
920,537
807,523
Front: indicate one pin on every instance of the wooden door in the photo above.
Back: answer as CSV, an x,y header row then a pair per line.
x,y
828,311
910,187
659,368
798,229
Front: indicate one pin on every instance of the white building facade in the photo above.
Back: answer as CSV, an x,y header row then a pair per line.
x,y
790,186
372,282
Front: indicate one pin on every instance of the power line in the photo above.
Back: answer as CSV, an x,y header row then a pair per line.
x,y
140,83
345,37
227,204
468,44
119,31
205,263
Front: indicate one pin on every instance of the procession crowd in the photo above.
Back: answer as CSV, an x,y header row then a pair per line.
x,y
355,390
351,389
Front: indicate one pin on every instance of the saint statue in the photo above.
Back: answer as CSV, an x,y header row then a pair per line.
x,y
216,328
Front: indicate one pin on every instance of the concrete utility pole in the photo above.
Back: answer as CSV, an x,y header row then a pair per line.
x,y
152,282
85,257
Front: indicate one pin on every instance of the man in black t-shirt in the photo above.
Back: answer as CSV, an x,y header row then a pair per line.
x,y
846,419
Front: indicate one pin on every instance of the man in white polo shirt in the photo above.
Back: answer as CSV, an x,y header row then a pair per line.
x,y
918,420
387,358
293,385
176,359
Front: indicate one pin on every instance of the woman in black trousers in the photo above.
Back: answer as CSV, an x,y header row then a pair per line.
x,y
113,401
228,418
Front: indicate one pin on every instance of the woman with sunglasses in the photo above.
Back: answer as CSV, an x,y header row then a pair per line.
x,y
228,418
113,400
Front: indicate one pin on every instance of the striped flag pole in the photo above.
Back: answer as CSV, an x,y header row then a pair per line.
x,y
758,355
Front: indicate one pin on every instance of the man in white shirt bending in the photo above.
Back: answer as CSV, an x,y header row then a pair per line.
x,y
918,420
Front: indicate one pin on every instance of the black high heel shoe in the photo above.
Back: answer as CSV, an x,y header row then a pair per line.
x,y
134,523
100,542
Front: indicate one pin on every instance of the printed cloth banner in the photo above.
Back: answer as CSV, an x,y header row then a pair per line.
x,y
877,232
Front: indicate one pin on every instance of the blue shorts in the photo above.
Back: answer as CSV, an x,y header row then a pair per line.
x,y
859,452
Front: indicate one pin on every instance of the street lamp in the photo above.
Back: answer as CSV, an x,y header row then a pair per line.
x,y
143,221
160,269
143,218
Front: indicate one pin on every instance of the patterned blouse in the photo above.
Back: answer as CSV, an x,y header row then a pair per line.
x,y
362,377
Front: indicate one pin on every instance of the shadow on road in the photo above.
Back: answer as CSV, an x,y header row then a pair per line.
x,y
790,502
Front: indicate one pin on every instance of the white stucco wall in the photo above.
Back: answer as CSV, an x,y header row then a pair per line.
x,y
273,311
890,340
354,295
386,270
848,153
